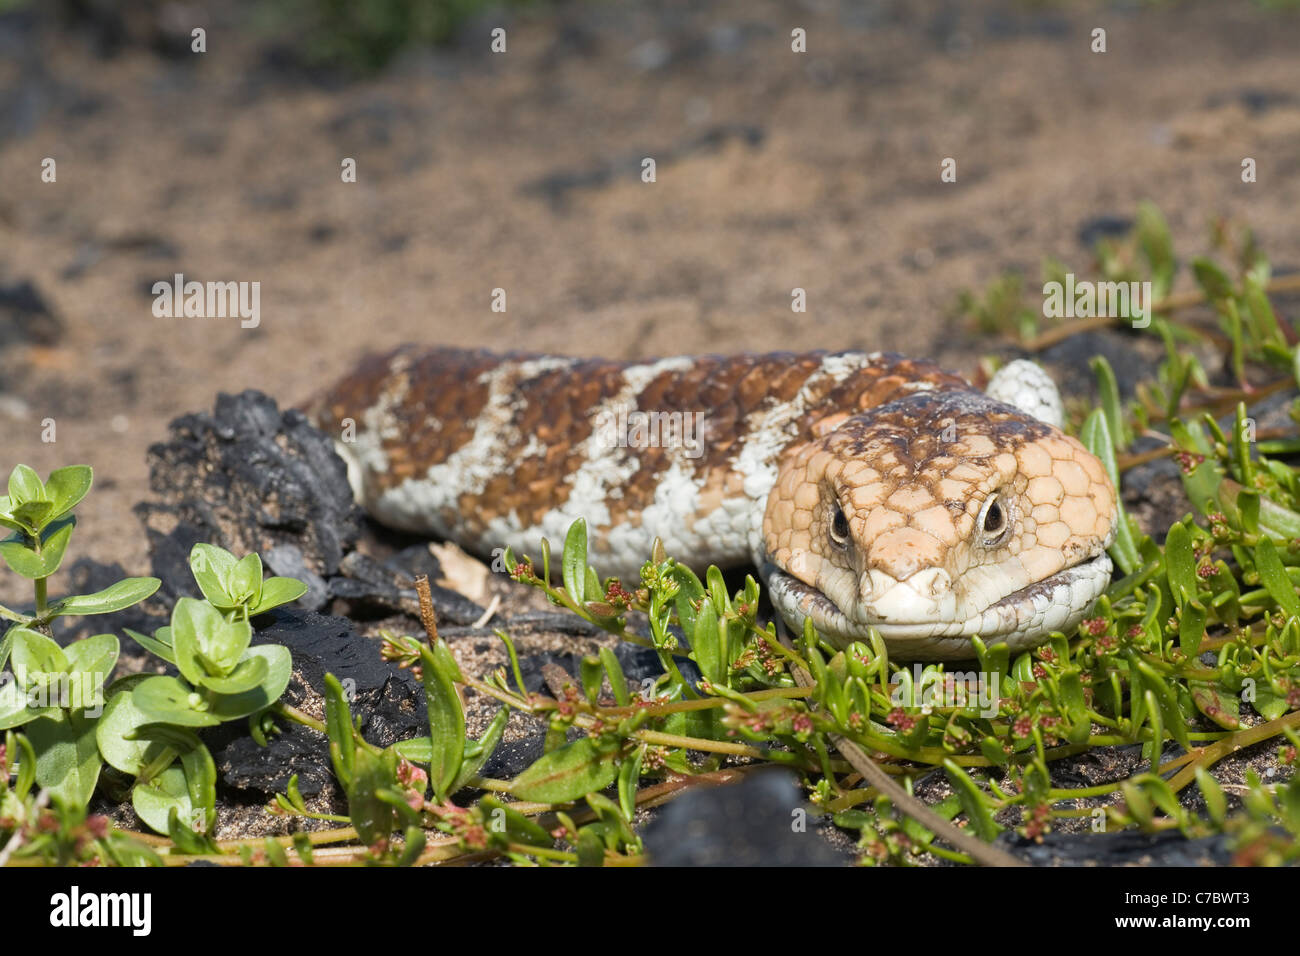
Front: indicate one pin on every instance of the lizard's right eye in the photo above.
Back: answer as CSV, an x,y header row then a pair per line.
x,y
839,528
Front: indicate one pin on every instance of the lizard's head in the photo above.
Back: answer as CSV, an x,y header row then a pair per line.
x,y
937,517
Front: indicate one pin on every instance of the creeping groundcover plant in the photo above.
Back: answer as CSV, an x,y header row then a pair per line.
x,y
1191,656
142,725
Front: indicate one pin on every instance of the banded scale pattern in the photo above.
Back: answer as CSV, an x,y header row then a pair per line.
x,y
859,483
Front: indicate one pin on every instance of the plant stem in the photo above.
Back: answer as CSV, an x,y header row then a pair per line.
x,y
289,712
1171,303
1243,738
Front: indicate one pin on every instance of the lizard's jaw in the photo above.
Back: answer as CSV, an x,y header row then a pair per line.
x,y
920,628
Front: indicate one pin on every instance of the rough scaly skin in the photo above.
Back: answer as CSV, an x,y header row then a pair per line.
x,y
924,561
500,450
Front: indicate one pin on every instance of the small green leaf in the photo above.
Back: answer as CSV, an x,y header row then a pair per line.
x,y
279,664
189,841
160,644
338,724
1215,802
24,560
14,709
412,846
1212,279
1191,627
1274,578
277,591
117,726
25,485
244,583
991,748
611,814
1221,707
567,773
25,779
188,617
154,801
616,679
94,657
972,801
120,595
706,646
371,815
1162,795
689,592
446,718
205,641
1096,437
415,749
502,818
166,700
1079,724
67,486
54,543
1137,802
592,676
275,854
1170,714
717,588
35,656
201,782
33,514
591,848
223,644
1249,507
67,758
1111,404
629,777
211,566
1180,561
575,561
478,752
248,673
1270,705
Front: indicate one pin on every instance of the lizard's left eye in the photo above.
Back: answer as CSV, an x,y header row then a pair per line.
x,y
839,528
994,522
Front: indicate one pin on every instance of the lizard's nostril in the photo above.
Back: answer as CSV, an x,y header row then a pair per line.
x,y
931,582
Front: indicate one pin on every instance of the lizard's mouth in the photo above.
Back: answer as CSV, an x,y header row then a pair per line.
x,y
1021,619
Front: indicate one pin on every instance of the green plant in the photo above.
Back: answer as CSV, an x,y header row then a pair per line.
x,y
1136,672
39,515
1193,655
58,693
58,833
144,725
238,586
148,727
385,789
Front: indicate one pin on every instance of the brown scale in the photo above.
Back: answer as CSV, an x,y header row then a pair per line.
x,y
914,425
434,397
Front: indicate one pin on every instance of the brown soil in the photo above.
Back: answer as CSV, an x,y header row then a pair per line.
x,y
522,171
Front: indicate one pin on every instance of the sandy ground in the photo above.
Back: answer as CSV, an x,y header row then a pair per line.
x,y
521,171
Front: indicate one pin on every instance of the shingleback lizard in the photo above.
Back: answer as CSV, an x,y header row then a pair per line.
x,y
871,490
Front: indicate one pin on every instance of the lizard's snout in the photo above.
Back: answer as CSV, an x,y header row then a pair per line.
x,y
919,597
